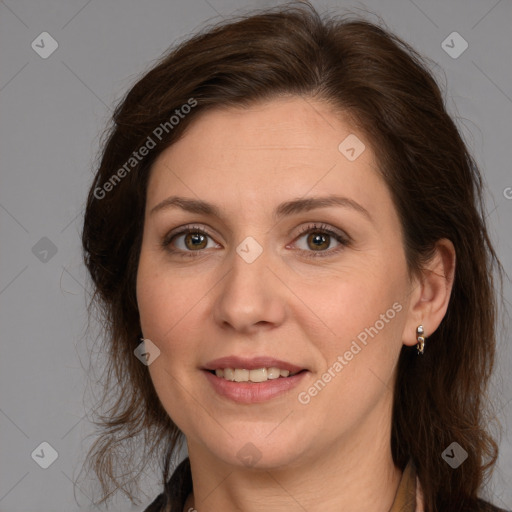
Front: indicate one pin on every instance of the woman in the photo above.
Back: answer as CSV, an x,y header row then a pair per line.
x,y
289,220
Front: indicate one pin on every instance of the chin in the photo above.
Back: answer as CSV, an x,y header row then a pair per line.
x,y
254,452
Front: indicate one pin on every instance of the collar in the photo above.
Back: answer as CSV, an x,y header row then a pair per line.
x,y
408,496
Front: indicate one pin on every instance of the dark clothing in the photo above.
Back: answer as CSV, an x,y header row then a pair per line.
x,y
176,490
179,487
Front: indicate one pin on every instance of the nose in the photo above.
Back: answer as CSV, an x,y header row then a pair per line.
x,y
250,297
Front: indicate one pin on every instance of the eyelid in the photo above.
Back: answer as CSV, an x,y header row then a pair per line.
x,y
321,226
341,236
185,230
343,239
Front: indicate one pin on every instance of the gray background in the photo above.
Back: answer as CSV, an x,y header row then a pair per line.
x,y
53,111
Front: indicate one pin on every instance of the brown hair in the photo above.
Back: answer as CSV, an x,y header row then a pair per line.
x,y
365,72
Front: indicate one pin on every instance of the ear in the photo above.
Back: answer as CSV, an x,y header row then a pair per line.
x,y
431,293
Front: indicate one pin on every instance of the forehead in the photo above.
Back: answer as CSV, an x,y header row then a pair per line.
x,y
294,125
267,153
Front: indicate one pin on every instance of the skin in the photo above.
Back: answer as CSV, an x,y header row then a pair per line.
x,y
334,452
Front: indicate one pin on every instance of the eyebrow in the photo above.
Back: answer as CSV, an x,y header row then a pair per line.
x,y
284,209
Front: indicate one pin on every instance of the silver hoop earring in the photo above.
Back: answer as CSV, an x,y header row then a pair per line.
x,y
421,339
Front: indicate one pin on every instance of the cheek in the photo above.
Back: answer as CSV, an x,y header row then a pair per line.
x,y
348,303
169,302
367,317
165,316
362,320
158,299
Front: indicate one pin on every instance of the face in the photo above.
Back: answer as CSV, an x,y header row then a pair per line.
x,y
270,278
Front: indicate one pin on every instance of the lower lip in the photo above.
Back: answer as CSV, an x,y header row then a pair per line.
x,y
253,392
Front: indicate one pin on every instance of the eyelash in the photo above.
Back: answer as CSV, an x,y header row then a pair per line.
x,y
312,228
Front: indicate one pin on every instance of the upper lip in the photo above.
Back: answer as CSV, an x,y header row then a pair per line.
x,y
252,363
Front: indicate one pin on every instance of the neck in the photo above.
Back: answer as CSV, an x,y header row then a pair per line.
x,y
357,473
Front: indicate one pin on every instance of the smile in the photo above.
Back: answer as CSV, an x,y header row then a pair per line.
x,y
248,391
257,375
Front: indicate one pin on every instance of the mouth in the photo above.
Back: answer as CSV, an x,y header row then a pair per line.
x,y
254,380
256,375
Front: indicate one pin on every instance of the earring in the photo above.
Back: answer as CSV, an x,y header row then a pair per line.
x,y
421,339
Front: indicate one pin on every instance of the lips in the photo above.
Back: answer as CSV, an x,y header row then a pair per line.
x,y
254,391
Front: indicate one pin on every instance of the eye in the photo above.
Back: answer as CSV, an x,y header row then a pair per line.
x,y
191,240
188,241
319,238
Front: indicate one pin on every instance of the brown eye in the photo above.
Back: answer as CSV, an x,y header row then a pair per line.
x,y
188,242
318,241
195,241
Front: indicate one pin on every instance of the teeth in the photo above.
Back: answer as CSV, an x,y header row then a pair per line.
x,y
273,373
241,375
259,375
